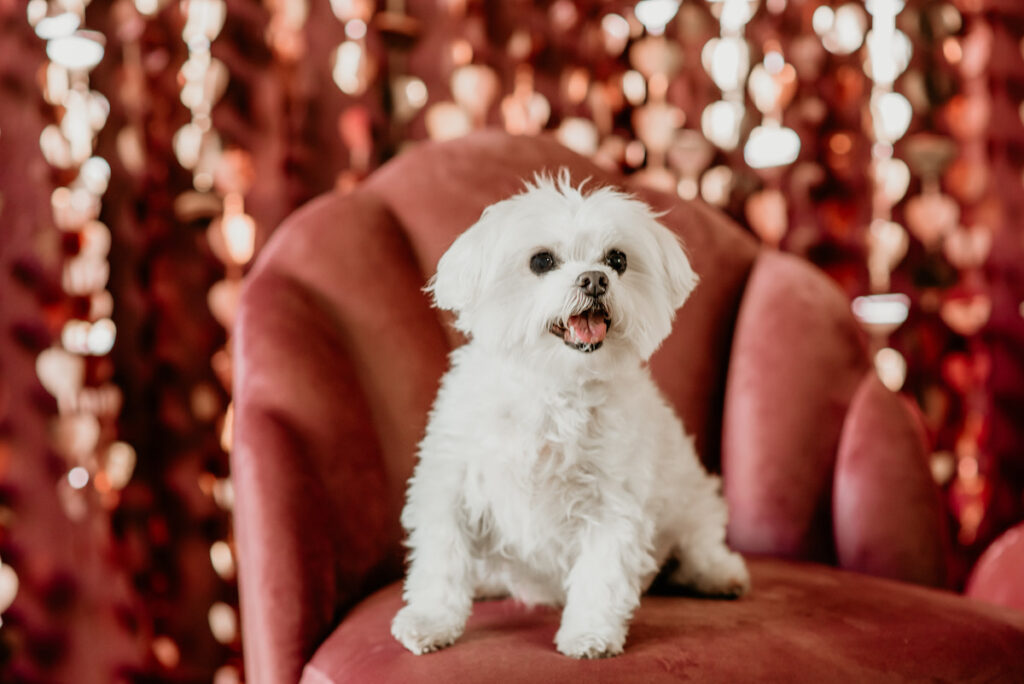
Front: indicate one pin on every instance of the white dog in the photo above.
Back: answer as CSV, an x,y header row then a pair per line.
x,y
552,469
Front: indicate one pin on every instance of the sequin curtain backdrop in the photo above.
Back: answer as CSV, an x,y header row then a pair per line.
x,y
314,96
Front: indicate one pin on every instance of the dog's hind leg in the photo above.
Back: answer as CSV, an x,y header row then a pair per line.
x,y
706,564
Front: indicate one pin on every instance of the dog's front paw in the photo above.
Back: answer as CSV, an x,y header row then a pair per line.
x,y
588,644
423,631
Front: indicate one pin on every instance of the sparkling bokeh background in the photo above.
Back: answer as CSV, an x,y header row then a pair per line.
x,y
148,148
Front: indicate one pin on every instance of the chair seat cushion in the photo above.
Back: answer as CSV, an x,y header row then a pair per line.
x,y
801,622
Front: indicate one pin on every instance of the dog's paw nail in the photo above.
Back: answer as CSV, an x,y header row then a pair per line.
x,y
587,646
423,632
737,581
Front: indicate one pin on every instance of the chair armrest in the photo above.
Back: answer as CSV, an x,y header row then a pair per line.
x,y
312,512
998,576
887,513
337,358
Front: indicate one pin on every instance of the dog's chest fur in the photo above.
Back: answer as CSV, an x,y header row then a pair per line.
x,y
543,479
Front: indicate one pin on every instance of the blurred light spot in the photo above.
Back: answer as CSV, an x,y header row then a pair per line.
x,y
474,87
95,175
166,652
55,147
462,52
120,464
222,559
967,468
687,188
239,237
227,432
224,492
823,19
716,185
576,85
942,465
57,84
771,145
634,87
78,477
80,51
889,54
355,29
727,61
635,153
883,151
447,120
952,51
416,92
205,19
735,14
36,11
227,674
616,33
774,62
720,122
579,135
101,338
205,401
350,68
223,622
840,143
57,25
884,8
8,586
881,313
891,115
842,30
147,8
187,143
563,15
891,368
951,18
95,240
656,14
346,10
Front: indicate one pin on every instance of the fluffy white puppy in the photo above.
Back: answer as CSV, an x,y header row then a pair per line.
x,y
552,469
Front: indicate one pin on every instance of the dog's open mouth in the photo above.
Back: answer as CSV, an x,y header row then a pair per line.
x,y
584,331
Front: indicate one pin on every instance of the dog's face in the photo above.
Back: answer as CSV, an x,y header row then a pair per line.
x,y
558,274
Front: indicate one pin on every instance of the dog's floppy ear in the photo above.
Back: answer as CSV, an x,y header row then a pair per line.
x,y
456,285
677,271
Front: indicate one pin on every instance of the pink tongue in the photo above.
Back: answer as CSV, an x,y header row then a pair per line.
x,y
589,329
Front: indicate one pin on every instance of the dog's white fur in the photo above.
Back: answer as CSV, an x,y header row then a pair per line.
x,y
547,473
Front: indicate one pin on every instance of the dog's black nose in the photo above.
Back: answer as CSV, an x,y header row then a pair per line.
x,y
594,283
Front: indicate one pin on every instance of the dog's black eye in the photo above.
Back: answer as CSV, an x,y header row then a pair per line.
x,y
542,262
616,260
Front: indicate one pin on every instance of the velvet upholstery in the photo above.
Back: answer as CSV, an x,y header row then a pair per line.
x,y
998,576
802,623
779,448
338,355
882,475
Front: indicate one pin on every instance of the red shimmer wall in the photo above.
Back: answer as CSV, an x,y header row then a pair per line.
x,y
128,587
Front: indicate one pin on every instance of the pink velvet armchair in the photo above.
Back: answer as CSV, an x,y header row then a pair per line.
x,y
338,355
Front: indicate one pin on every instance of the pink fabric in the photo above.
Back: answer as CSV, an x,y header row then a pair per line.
x,y
882,476
998,576
796,362
337,364
338,355
801,623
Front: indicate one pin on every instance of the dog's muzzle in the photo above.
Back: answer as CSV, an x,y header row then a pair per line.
x,y
586,330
